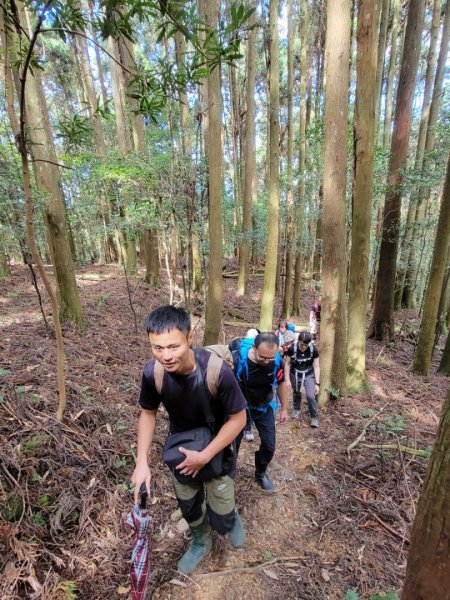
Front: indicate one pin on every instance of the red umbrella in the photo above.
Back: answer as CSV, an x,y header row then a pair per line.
x,y
139,520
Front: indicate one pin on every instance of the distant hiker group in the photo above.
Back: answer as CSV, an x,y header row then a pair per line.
x,y
213,397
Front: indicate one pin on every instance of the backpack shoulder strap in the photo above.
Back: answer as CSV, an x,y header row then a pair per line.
x,y
212,373
158,374
276,368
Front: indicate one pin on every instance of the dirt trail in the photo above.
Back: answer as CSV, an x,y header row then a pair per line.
x,y
337,522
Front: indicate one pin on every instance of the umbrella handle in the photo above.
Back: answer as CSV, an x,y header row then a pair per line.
x,y
144,496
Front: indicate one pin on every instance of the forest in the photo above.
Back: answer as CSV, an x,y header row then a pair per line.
x,y
241,159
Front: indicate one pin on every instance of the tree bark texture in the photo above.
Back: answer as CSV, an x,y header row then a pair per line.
x,y
424,190
382,326
389,101
428,567
268,293
287,298
337,55
299,212
425,343
426,104
213,137
46,170
364,127
249,165
382,37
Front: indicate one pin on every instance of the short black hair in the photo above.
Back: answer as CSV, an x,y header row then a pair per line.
x,y
305,337
268,338
168,317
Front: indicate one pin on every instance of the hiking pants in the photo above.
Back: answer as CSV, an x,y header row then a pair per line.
x,y
265,424
309,381
219,505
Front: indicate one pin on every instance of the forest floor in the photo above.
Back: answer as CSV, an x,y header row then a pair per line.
x,y
337,527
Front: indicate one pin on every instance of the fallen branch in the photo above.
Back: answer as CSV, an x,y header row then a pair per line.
x,y
413,451
389,528
235,570
363,432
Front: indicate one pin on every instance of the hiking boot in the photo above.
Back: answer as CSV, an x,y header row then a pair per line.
x,y
314,422
249,435
200,546
296,413
265,482
237,534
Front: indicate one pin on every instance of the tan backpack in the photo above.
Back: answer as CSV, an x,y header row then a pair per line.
x,y
220,353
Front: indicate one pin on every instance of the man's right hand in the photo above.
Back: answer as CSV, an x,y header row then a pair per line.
x,y
288,383
141,475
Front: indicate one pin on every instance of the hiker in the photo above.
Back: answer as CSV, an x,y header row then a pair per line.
x,y
286,336
302,369
179,373
314,318
259,369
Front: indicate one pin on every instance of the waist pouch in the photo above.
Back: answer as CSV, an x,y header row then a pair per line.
x,y
193,439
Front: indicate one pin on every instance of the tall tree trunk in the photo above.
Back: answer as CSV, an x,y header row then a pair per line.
x,y
186,146
391,75
4,266
21,27
337,54
382,326
151,250
407,238
424,190
250,165
444,365
119,78
46,170
98,59
429,557
268,293
213,135
236,159
99,138
425,343
364,128
318,240
287,299
300,211
382,37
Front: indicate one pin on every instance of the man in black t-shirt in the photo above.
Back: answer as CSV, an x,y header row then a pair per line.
x,y
170,336
302,369
259,382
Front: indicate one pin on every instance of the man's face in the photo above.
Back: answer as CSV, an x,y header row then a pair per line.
x,y
302,345
172,349
265,353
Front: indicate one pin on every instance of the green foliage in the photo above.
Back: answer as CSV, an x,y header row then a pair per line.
x,y
38,518
76,130
391,595
391,424
367,412
68,589
12,508
335,393
44,500
34,442
354,595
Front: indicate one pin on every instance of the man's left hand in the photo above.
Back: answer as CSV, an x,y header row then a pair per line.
x,y
317,389
284,415
193,462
